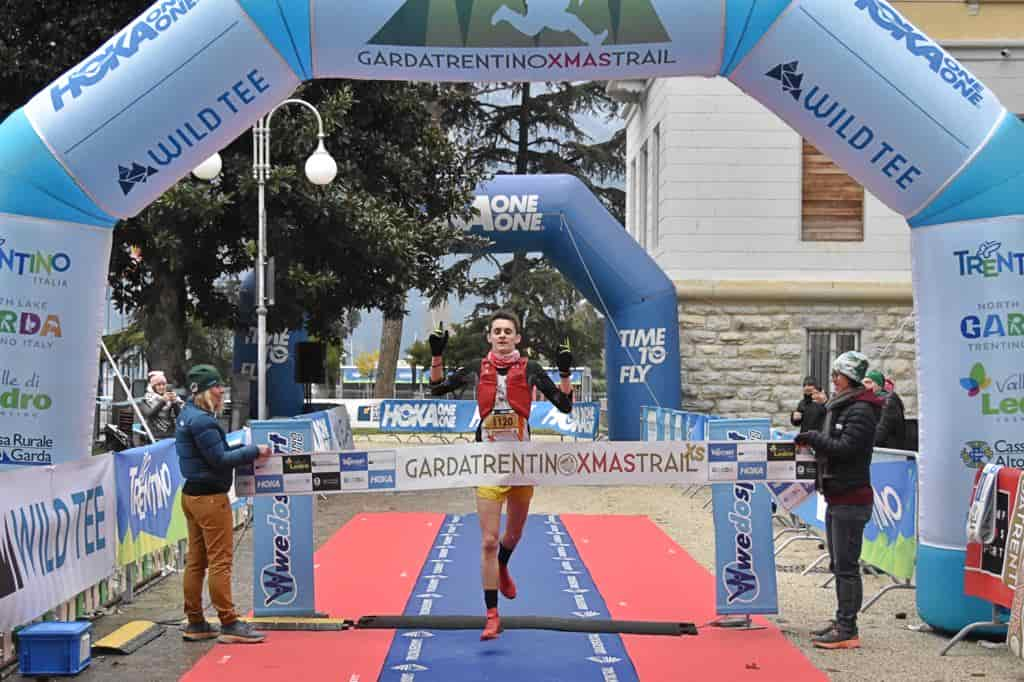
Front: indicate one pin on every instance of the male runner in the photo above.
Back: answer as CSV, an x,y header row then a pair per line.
x,y
504,397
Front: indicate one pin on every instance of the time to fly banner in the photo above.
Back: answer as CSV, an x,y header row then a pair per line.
x,y
531,463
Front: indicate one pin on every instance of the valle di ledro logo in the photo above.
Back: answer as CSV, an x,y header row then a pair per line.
x,y
1000,398
591,34
277,578
844,123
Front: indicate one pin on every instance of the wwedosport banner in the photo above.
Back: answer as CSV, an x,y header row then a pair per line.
x,y
464,465
58,535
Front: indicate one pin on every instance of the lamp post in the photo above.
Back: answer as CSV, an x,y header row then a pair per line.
x,y
320,170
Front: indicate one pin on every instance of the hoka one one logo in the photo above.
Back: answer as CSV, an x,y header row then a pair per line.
x,y
125,45
916,43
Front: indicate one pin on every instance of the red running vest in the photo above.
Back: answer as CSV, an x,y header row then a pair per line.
x,y
519,398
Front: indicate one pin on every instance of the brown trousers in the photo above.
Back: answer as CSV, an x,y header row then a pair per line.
x,y
209,547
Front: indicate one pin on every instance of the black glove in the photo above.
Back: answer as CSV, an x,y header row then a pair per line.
x,y
803,438
438,340
564,359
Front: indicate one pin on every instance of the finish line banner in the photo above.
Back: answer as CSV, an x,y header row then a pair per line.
x,y
466,465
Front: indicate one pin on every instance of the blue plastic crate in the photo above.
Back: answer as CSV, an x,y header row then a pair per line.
x,y
55,648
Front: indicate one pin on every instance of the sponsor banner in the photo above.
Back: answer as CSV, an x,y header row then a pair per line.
x,y
889,105
341,427
149,513
571,463
890,539
282,522
425,416
52,279
211,50
58,535
744,579
970,311
744,547
493,40
363,414
462,416
992,571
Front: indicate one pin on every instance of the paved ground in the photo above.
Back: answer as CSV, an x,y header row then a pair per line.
x,y
891,651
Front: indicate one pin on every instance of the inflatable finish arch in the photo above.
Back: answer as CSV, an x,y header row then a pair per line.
x,y
853,76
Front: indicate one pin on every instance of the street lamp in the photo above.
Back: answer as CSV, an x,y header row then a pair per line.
x,y
321,169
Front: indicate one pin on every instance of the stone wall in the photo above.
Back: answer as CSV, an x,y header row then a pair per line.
x,y
748,359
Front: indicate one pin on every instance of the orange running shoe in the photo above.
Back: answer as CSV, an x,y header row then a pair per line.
x,y
493,626
505,582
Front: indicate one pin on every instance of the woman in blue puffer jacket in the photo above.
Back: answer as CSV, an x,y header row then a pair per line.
x,y
207,464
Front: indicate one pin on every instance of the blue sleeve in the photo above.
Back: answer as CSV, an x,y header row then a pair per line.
x,y
210,442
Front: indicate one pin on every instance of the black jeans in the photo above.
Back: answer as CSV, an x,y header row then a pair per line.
x,y
844,526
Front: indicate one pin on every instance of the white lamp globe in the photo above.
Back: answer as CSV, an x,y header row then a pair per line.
x,y
208,169
321,168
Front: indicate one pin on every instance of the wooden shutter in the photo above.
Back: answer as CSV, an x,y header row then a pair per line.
x,y
833,202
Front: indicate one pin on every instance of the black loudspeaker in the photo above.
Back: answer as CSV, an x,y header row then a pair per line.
x,y
310,363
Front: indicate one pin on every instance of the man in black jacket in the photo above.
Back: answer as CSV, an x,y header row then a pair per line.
x,y
809,415
843,452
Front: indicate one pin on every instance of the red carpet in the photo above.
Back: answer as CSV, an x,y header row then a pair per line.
x,y
373,564
643,575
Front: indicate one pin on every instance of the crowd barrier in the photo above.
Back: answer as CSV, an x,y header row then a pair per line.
x,y
81,536
890,537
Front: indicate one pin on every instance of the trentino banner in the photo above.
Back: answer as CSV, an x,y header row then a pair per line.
x,y
58,535
970,338
744,547
149,513
890,537
52,279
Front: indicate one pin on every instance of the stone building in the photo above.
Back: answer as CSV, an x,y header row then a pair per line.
x,y
780,259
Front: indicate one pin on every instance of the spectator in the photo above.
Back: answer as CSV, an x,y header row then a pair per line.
x,y
207,464
843,454
892,427
160,407
809,414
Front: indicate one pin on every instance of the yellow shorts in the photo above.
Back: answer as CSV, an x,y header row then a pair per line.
x,y
499,493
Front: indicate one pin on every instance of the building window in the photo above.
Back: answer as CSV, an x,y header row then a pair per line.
x,y
655,185
824,346
833,202
631,217
641,195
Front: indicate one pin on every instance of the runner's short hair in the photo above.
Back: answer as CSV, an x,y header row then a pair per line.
x,y
505,315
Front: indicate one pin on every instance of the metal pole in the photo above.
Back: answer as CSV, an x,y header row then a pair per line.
x,y
128,392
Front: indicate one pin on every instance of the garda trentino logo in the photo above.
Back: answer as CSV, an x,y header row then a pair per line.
x,y
949,70
124,46
990,260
